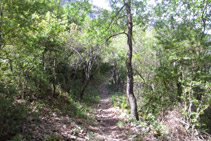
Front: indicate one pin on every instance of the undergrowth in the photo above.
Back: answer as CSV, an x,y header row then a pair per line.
x,y
15,111
118,98
12,117
149,123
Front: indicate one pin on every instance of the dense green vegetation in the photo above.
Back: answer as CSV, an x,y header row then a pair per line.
x,y
57,55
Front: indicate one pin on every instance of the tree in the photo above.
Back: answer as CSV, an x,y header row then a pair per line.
x,y
122,20
184,44
130,93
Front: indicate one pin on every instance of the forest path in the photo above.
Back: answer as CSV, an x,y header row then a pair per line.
x,y
107,118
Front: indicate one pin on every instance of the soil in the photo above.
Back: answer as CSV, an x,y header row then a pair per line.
x,y
108,118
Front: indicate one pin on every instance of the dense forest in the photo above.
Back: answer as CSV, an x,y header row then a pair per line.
x,y
63,63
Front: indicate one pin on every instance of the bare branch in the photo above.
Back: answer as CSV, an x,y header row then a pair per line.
x,y
140,75
77,52
116,35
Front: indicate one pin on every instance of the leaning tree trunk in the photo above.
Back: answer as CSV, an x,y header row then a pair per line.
x,y
130,93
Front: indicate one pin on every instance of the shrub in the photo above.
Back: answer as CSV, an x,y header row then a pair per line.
x,y
11,119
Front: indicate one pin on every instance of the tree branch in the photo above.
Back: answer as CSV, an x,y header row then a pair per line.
x,y
116,35
77,52
140,75
113,18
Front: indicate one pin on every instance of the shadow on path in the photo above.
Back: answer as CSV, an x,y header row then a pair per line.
x,y
108,117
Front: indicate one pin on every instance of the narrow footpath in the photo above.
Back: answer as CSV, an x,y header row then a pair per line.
x,y
107,118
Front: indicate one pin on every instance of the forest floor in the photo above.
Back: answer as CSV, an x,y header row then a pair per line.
x,y
53,119
102,121
112,121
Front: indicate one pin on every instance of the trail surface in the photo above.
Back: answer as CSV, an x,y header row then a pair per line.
x,y
108,118
102,123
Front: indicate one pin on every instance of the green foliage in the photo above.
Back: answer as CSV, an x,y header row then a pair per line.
x,y
12,117
48,49
152,125
119,101
121,123
181,53
115,58
91,96
17,138
67,106
118,98
52,138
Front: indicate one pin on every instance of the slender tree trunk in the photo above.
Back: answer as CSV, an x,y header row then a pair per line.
x,y
84,88
130,93
54,76
179,91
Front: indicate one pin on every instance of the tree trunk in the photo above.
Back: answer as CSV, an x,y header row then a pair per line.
x,y
130,93
179,91
83,90
54,76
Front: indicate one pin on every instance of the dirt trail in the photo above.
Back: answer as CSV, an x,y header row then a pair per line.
x,y
108,117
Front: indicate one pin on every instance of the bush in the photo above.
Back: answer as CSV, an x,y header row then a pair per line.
x,y
17,138
119,100
11,118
